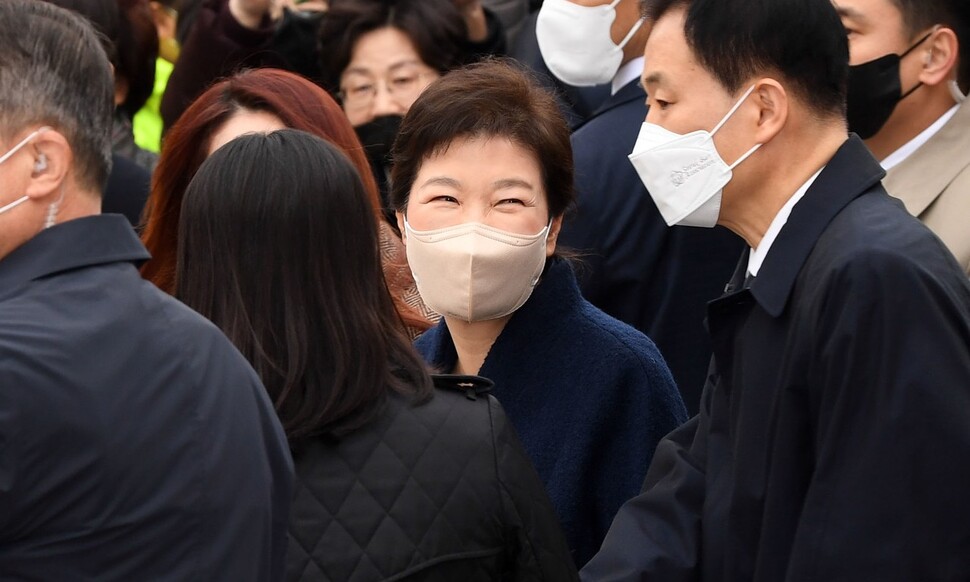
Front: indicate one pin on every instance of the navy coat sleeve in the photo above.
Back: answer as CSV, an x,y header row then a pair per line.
x,y
893,379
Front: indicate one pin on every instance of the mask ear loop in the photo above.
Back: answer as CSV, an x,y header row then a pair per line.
x,y
733,109
14,204
14,150
630,34
724,120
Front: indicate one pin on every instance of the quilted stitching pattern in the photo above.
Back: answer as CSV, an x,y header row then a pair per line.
x,y
416,496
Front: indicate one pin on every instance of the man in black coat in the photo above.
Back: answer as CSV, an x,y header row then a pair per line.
x,y
834,430
136,443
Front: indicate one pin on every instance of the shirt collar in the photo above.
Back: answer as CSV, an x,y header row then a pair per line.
x,y
900,155
626,73
757,256
849,174
84,242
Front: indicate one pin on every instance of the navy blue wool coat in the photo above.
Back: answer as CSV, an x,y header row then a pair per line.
x,y
589,396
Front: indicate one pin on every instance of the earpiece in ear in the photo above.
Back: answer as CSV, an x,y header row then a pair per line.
x,y
41,164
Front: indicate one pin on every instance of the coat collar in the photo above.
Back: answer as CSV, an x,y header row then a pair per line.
x,y
848,175
556,293
632,91
924,175
84,242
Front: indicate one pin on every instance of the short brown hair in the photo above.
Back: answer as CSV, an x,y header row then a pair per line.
x,y
494,98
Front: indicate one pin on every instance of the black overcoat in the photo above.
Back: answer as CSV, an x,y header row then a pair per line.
x,y
833,442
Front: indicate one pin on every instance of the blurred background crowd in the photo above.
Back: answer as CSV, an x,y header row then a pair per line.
x,y
467,320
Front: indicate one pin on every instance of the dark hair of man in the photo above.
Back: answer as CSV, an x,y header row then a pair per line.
x,y
279,249
54,71
803,41
434,26
492,99
920,15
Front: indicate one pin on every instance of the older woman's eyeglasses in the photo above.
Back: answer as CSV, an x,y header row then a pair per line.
x,y
358,91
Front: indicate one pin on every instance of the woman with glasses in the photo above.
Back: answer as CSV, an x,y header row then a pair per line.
x,y
378,56
228,35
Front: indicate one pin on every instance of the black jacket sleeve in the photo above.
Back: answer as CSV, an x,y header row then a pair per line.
x,y
657,535
538,549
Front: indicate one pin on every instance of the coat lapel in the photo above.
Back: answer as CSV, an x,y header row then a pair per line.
x,y
924,175
629,92
848,175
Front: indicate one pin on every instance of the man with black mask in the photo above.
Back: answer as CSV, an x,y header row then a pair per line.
x,y
907,82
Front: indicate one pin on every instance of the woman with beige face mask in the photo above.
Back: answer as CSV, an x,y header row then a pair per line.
x,y
482,179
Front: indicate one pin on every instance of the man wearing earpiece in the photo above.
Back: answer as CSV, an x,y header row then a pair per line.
x,y
908,80
136,443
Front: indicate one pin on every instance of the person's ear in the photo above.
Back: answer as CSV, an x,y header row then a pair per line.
x,y
53,159
554,229
940,58
121,90
772,101
400,226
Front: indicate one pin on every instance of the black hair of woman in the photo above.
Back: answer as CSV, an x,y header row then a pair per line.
x,y
278,247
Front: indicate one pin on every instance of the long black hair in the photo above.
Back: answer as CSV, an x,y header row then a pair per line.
x,y
279,248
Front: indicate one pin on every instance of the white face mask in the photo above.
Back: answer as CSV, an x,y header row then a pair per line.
x,y
475,272
10,154
685,174
575,41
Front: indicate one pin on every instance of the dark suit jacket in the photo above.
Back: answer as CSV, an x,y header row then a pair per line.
x,y
136,443
642,272
835,428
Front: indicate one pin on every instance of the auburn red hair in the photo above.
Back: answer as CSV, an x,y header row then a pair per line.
x,y
300,105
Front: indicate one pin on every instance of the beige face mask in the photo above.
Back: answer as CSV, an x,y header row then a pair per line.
x,y
474,272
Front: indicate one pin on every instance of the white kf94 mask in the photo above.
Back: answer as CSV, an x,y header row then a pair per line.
x,y
575,41
685,174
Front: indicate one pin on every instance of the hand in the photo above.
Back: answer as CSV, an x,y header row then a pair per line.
x,y
474,15
250,13
166,20
293,6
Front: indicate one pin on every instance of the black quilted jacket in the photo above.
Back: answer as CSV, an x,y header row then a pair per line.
x,y
437,492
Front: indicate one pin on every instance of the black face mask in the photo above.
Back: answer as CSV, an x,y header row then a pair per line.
x,y
377,137
874,90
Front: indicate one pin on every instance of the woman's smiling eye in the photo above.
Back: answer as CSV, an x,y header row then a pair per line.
x,y
444,198
512,201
